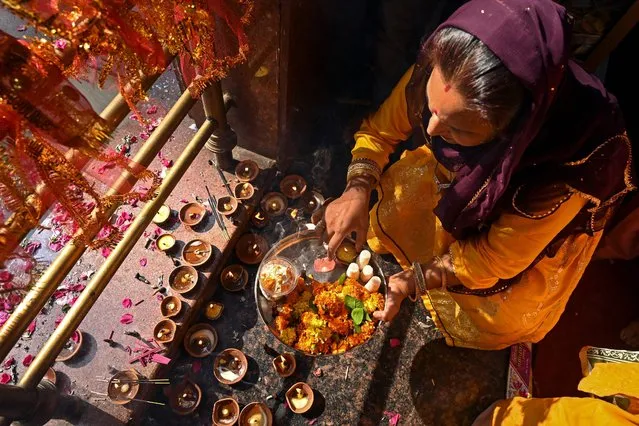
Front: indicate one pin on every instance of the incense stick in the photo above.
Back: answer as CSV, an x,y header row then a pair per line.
x,y
213,203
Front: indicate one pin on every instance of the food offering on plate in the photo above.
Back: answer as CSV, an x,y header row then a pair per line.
x,y
327,318
278,277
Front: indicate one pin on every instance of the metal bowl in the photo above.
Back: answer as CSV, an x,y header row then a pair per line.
x,y
301,250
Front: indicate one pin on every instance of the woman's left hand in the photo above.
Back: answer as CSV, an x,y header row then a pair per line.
x,y
400,286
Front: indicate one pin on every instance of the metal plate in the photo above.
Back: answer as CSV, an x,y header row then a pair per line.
x,y
301,250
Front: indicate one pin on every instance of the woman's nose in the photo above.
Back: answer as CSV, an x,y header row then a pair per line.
x,y
436,127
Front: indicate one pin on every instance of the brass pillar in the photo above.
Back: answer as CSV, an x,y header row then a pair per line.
x,y
224,139
36,406
94,288
46,285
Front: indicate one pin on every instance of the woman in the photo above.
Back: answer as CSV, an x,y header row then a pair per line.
x,y
523,158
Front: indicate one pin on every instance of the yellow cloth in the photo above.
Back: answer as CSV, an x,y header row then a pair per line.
x,y
555,411
402,222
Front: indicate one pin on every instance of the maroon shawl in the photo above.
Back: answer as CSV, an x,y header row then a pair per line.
x,y
571,137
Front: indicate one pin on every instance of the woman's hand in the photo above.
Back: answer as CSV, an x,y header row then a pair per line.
x,y
400,286
347,214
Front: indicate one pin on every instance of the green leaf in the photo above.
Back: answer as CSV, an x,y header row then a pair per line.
x,y
358,315
368,317
357,328
313,306
352,302
342,279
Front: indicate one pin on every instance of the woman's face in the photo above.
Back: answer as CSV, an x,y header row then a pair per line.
x,y
450,118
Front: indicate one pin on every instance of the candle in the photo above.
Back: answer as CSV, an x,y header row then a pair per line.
x,y
293,186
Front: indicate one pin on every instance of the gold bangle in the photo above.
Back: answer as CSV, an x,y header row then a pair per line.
x,y
420,288
364,167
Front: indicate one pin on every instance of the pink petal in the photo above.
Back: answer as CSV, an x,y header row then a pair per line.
x,y
9,362
144,136
127,303
106,166
4,316
393,417
126,319
152,109
15,299
184,200
76,336
159,297
196,366
5,378
395,343
32,247
5,276
31,328
58,320
7,286
105,251
158,231
311,422
143,261
27,360
167,163
60,44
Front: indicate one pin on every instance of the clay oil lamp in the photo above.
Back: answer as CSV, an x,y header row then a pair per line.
x,y
251,249
123,387
346,252
274,204
200,340
71,348
256,414
164,331
234,278
259,219
183,279
191,214
300,398
311,202
185,398
247,170
213,310
170,306
226,411
197,252
230,366
165,242
244,191
50,375
285,364
227,206
162,215
293,186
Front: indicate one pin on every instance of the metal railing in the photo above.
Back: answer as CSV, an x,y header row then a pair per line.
x,y
30,399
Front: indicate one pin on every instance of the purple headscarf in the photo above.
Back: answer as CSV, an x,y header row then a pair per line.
x,y
570,138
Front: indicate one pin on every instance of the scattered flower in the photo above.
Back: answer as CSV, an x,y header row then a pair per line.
x,y
27,360
393,417
76,336
106,166
395,342
31,328
32,247
126,319
105,251
184,200
61,44
4,316
127,303
9,363
144,136
58,320
152,109
143,262
5,276
318,372
5,378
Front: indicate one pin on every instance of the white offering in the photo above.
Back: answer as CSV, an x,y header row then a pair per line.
x,y
363,259
373,284
367,273
352,271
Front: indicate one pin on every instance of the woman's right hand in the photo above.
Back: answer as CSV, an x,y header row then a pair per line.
x,y
347,214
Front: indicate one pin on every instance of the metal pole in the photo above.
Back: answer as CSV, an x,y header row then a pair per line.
x,y
42,290
89,296
224,138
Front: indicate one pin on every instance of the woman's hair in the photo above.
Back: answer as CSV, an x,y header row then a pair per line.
x,y
479,76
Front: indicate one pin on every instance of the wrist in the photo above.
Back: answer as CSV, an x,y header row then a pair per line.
x,y
360,183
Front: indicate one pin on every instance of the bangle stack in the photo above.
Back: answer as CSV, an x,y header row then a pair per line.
x,y
363,167
420,282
